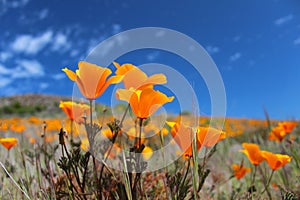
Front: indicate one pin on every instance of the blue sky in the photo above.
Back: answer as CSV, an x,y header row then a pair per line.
x,y
255,45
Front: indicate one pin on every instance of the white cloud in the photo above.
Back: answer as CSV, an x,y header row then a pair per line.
x,y
4,81
212,49
283,20
44,85
28,68
4,70
4,56
116,28
5,5
60,42
152,56
235,57
58,76
74,53
19,3
297,41
31,45
43,14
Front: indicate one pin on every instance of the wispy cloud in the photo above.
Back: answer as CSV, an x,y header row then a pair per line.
x,y
43,14
4,70
235,57
152,56
4,81
74,53
212,49
43,85
116,28
4,56
60,42
5,5
28,69
29,44
297,41
58,76
283,20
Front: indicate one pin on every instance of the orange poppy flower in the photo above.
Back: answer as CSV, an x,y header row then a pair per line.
x,y
136,78
8,143
253,153
3,126
240,171
147,153
108,133
183,137
281,130
75,111
85,145
274,185
92,79
275,161
32,140
163,131
18,128
143,102
208,136
288,126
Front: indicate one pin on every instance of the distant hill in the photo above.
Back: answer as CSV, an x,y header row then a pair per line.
x,y
31,104
40,105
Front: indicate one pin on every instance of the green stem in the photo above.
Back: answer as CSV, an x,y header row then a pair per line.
x,y
254,174
113,141
185,176
202,169
91,114
124,115
268,184
72,122
140,132
91,141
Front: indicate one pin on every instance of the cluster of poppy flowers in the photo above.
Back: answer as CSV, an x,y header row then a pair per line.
x,y
93,80
279,132
139,93
256,156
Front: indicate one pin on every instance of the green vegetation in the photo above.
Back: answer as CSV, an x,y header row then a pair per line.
x,y
16,108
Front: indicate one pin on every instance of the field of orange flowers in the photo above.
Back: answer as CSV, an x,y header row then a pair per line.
x,y
89,155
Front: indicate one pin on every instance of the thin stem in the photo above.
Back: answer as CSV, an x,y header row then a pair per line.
x,y
124,115
113,141
268,184
91,112
138,158
254,174
185,176
13,180
85,171
7,157
186,173
91,141
202,169
71,126
140,132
